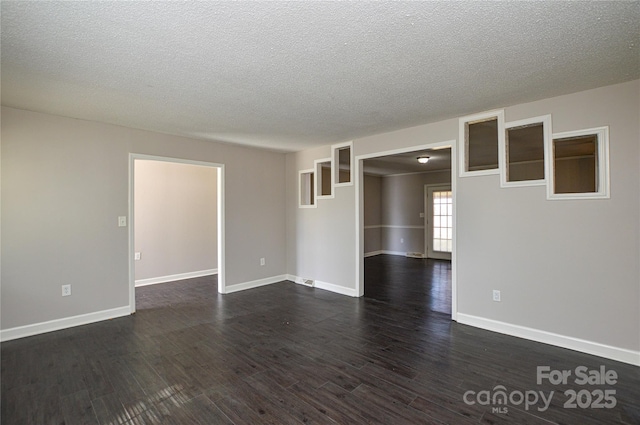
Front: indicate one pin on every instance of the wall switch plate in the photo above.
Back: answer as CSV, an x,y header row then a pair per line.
x,y
122,221
262,262
496,295
66,290
421,215
137,256
401,240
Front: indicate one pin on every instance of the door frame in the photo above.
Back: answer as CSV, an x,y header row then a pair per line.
x,y
428,228
220,219
359,210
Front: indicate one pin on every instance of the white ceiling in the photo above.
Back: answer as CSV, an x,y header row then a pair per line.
x,y
291,75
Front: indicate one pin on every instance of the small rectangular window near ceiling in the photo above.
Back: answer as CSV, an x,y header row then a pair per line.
x,y
324,186
524,156
574,163
342,155
306,189
481,136
482,145
344,165
579,164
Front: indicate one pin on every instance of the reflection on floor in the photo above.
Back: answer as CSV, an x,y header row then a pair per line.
x,y
290,354
420,284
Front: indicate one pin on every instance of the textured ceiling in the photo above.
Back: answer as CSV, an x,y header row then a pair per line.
x,y
439,160
291,75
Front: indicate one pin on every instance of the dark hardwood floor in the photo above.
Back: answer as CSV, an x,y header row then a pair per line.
x,y
289,354
419,284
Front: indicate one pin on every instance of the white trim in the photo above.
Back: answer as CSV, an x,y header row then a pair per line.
x,y
254,283
372,253
174,277
462,137
602,165
546,132
221,217
359,201
297,280
64,323
597,349
335,288
359,211
318,178
336,162
222,268
323,285
312,199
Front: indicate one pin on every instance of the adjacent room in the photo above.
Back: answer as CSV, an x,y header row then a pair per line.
x,y
408,229
320,212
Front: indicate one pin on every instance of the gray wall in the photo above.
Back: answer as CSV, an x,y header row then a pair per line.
x,y
372,213
65,182
402,203
568,267
315,236
175,218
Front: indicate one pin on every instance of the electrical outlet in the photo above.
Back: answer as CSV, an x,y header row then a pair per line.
x,y
262,262
66,290
137,256
496,295
401,240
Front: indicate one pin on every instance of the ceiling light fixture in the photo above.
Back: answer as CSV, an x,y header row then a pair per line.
x,y
423,159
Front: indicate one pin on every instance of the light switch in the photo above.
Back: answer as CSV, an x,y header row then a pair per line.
x,y
122,221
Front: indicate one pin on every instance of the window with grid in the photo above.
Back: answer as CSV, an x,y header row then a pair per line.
x,y
442,221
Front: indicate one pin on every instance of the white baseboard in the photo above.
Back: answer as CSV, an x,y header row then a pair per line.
x,y
372,253
336,288
325,286
173,277
607,351
64,323
254,283
384,251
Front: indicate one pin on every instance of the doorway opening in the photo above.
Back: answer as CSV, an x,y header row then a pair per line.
x,y
176,231
405,220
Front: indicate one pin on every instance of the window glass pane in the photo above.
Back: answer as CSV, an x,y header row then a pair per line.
x,y
436,245
482,145
324,169
442,221
525,153
575,160
344,165
307,189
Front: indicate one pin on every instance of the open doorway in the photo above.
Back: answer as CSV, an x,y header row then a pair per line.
x,y
406,234
176,227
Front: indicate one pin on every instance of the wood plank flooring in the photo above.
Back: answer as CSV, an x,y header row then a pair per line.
x,y
289,354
